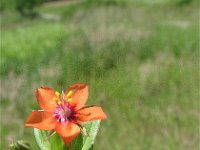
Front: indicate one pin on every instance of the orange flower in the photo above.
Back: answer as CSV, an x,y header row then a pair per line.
x,y
64,112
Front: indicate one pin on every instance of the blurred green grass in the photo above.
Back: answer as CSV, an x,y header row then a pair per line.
x,y
140,61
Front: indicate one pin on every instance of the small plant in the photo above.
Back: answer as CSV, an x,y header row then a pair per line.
x,y
64,122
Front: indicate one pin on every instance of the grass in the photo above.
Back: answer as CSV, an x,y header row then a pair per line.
x,y
140,61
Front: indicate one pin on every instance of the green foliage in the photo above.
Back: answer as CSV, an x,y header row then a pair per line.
x,y
20,145
30,37
7,4
184,2
42,139
92,129
140,62
56,142
26,7
82,142
77,143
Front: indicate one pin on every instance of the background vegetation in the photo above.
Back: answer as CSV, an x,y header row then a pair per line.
x,y
139,57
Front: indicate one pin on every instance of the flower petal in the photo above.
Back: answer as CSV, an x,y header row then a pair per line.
x,y
90,113
68,131
79,95
45,97
41,120
68,139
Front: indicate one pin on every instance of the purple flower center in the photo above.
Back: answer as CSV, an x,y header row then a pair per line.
x,y
63,112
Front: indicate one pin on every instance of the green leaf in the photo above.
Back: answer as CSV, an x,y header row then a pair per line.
x,y
91,148
56,142
77,143
81,142
42,139
66,147
20,145
92,129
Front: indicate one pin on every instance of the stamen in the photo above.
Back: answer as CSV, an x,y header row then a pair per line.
x,y
59,102
69,99
69,94
55,99
63,95
63,112
57,94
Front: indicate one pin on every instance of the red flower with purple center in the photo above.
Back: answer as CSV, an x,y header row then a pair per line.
x,y
64,112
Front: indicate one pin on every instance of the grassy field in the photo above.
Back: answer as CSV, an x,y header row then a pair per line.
x,y
140,59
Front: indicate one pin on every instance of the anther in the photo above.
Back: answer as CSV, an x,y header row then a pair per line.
x,y
59,102
57,94
55,98
69,94
69,99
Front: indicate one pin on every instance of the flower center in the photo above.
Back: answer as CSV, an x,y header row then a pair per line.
x,y
63,110
63,113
